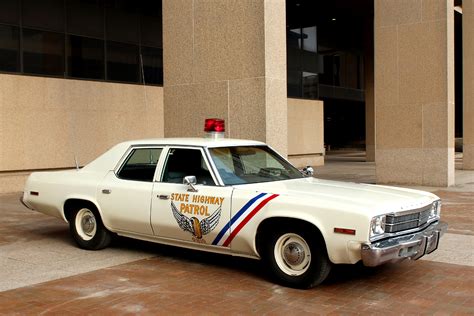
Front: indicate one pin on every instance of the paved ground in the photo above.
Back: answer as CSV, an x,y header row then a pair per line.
x,y
42,272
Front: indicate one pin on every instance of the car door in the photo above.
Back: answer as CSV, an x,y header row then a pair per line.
x,y
201,216
125,194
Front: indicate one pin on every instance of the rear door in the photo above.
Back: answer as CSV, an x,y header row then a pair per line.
x,y
125,194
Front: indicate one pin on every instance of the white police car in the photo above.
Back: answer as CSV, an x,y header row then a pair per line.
x,y
237,197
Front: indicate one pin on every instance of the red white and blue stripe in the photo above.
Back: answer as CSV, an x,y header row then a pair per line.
x,y
241,218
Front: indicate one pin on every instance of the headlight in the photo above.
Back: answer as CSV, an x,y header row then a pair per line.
x,y
377,225
435,209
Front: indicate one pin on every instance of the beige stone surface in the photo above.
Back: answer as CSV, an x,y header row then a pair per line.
x,y
276,112
178,31
386,71
236,51
399,126
12,182
414,92
189,105
305,128
437,167
468,83
247,113
422,63
433,10
44,122
301,161
396,12
228,40
394,166
275,39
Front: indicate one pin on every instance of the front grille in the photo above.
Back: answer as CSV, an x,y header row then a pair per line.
x,y
396,223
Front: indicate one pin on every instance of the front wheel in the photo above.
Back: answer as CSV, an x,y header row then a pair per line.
x,y
296,258
88,230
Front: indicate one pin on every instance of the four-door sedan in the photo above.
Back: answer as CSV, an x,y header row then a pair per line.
x,y
237,197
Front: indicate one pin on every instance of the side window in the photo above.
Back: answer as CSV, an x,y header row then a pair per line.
x,y
140,164
184,162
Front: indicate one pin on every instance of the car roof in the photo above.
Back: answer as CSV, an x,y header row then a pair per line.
x,y
200,142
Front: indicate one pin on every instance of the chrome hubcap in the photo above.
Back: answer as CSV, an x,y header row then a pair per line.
x,y
86,225
292,254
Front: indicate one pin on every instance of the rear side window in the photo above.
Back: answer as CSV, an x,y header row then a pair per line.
x,y
140,165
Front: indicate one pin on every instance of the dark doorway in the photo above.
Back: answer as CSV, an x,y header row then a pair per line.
x,y
325,61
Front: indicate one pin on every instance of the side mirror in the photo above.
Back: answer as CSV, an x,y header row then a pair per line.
x,y
191,182
308,171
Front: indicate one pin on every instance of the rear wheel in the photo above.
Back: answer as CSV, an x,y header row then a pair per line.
x,y
296,258
88,230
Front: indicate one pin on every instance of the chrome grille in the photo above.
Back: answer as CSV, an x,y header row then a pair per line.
x,y
396,223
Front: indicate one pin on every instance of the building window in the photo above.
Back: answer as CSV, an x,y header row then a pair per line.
x,y
44,14
85,17
9,12
43,52
108,40
152,59
122,62
85,57
9,48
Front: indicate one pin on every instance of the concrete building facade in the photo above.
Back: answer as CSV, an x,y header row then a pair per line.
x,y
139,69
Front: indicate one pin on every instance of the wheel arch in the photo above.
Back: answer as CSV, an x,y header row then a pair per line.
x,y
270,223
72,203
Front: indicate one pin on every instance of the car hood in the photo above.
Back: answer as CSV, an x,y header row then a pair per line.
x,y
367,198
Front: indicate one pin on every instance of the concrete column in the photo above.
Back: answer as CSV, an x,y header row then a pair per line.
x,y
468,83
414,92
226,59
369,92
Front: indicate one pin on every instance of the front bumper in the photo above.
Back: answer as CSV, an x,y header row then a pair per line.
x,y
411,246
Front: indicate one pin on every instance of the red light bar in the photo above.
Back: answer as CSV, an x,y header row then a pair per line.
x,y
214,125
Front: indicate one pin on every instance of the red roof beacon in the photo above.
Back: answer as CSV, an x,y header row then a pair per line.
x,y
214,128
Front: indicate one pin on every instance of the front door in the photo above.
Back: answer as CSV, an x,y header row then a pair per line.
x,y
182,214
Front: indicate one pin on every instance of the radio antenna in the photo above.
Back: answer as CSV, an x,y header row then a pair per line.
x,y
143,79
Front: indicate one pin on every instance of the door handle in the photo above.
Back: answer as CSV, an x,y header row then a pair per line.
x,y
163,196
106,191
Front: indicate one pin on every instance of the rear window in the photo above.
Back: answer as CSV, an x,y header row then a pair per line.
x,y
140,165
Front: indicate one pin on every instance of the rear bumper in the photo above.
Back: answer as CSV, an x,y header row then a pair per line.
x,y
25,205
412,246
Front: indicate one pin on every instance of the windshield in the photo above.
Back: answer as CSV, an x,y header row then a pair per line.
x,y
251,164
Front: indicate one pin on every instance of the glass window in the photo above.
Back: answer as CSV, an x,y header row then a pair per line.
x,y
43,52
85,57
9,48
85,17
44,14
140,165
9,11
153,65
122,21
151,23
183,162
251,164
122,62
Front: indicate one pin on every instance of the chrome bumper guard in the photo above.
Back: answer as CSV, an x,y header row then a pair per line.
x,y
411,246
